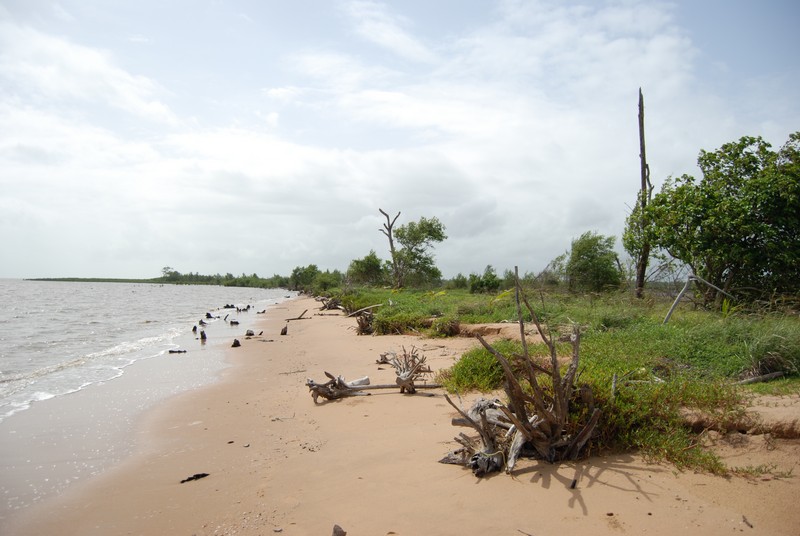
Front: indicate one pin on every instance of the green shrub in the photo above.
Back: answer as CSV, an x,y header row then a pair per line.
x,y
446,326
478,369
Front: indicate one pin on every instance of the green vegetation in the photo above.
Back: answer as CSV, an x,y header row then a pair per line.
x,y
412,263
593,266
738,226
661,369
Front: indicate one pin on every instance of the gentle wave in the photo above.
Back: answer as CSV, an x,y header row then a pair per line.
x,y
51,331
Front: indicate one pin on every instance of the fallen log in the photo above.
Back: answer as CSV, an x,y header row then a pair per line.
x,y
762,378
337,387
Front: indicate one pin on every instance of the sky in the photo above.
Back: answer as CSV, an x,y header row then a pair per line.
x,y
254,136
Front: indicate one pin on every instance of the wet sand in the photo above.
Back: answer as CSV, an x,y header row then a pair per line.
x,y
278,463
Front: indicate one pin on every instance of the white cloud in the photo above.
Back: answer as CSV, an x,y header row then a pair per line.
x,y
55,68
141,39
62,14
518,130
376,23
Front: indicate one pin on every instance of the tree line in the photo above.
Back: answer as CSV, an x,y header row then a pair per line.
x,y
738,228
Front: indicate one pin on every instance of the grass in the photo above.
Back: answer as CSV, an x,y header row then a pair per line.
x,y
757,471
691,362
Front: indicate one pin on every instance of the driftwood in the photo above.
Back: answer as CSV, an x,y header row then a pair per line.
x,y
539,413
196,476
762,378
330,304
364,321
364,309
337,387
489,458
364,317
298,317
489,408
410,367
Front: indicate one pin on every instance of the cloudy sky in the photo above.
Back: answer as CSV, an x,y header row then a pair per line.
x,y
258,135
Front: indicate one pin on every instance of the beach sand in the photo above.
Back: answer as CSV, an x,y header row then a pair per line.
x,y
278,463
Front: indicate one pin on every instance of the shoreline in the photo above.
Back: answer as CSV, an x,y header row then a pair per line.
x,y
279,463
69,439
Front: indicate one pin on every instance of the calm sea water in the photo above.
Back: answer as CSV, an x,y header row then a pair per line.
x,y
80,362
59,337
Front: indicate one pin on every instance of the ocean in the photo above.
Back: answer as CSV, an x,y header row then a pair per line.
x,y
79,362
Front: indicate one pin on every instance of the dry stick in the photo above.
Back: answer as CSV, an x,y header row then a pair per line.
x,y
539,404
569,377
689,280
519,315
764,378
557,416
488,443
354,313
514,389
583,436
298,317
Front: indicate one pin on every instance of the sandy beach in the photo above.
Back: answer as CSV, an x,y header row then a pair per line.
x,y
278,463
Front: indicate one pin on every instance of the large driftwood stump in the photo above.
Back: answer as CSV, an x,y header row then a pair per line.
x,y
409,367
336,387
539,413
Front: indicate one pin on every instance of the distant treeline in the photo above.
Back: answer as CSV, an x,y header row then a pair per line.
x,y
174,277
227,280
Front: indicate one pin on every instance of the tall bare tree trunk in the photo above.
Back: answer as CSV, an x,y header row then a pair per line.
x,y
387,230
644,196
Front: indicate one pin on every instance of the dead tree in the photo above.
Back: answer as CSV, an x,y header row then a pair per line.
x,y
539,415
644,196
388,231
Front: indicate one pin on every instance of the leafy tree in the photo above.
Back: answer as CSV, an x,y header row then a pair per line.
x,y
170,274
302,277
459,281
324,281
413,262
488,282
366,271
555,272
593,265
738,227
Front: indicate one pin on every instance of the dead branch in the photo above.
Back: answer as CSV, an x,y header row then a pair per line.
x,y
356,313
330,304
539,408
298,317
762,378
409,367
489,458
